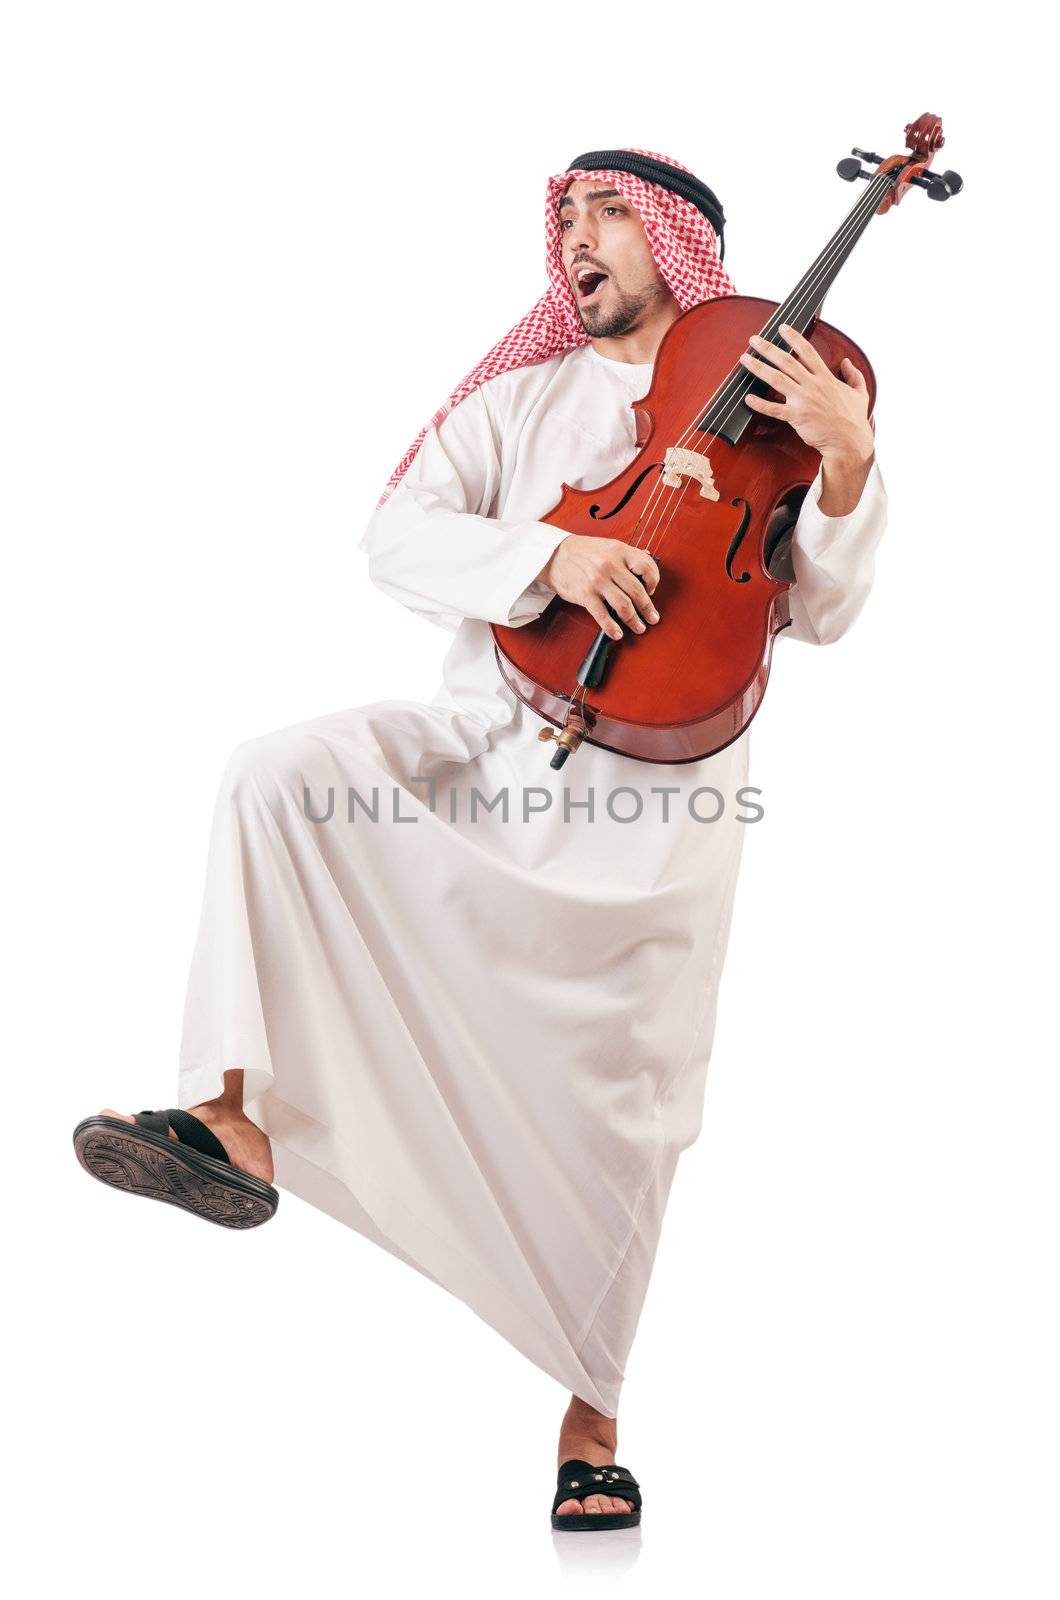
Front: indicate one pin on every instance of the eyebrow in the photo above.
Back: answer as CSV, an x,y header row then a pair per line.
x,y
596,194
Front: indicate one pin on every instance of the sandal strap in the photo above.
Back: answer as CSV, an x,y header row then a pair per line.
x,y
577,1479
189,1129
153,1121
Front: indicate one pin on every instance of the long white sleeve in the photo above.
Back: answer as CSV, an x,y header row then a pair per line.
x,y
831,561
434,547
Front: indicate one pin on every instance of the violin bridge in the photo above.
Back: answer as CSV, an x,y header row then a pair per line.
x,y
682,463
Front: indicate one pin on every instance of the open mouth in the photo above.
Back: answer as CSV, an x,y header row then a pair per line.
x,y
589,283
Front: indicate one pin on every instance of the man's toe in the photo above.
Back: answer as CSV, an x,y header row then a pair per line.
x,y
594,1504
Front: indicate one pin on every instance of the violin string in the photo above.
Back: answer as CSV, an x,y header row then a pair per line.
x,y
651,534
810,282
740,379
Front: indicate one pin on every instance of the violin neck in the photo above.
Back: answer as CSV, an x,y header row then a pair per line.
x,y
807,297
726,415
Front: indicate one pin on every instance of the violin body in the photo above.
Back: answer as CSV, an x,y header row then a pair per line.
x,y
690,684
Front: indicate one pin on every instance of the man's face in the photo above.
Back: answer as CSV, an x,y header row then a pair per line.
x,y
607,259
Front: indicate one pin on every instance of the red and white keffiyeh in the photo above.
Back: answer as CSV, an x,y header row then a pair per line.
x,y
681,239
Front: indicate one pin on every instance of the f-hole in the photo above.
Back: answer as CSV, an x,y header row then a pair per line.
x,y
602,516
745,577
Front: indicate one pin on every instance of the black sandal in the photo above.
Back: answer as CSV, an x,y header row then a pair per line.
x,y
577,1479
192,1171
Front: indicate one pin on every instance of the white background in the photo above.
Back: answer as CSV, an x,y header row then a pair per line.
x,y
250,249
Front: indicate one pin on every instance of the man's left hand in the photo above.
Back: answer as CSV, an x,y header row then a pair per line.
x,y
828,413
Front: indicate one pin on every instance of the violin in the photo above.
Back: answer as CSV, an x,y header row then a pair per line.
x,y
712,487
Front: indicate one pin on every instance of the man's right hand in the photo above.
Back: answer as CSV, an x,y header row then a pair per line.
x,y
597,573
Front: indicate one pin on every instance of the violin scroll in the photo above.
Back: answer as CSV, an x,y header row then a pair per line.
x,y
923,138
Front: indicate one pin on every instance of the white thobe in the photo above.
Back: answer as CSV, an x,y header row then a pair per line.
x,y
480,1039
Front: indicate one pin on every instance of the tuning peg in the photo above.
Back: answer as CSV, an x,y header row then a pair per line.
x,y
940,185
867,155
850,169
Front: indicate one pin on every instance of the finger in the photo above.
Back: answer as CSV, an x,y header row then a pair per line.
x,y
803,348
770,407
853,375
780,381
632,585
603,618
640,562
780,358
623,606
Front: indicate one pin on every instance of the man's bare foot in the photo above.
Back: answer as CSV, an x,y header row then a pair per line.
x,y
245,1144
587,1435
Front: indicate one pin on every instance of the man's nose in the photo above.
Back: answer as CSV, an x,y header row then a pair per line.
x,y
581,238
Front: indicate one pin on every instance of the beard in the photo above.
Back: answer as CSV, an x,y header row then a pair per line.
x,y
620,314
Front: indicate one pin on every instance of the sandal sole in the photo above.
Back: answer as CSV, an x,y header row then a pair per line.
x,y
133,1159
595,1521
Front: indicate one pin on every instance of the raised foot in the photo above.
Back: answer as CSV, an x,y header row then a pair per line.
x,y
245,1144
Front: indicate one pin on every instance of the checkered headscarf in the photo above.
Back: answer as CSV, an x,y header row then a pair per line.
x,y
682,241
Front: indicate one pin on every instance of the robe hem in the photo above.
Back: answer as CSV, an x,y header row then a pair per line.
x,y
299,1172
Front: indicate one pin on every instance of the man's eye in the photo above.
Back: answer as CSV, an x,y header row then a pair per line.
x,y
568,222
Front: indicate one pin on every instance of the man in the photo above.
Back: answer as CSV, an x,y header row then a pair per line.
x,y
467,1004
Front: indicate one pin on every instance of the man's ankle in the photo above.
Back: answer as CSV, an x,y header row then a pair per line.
x,y
585,1436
